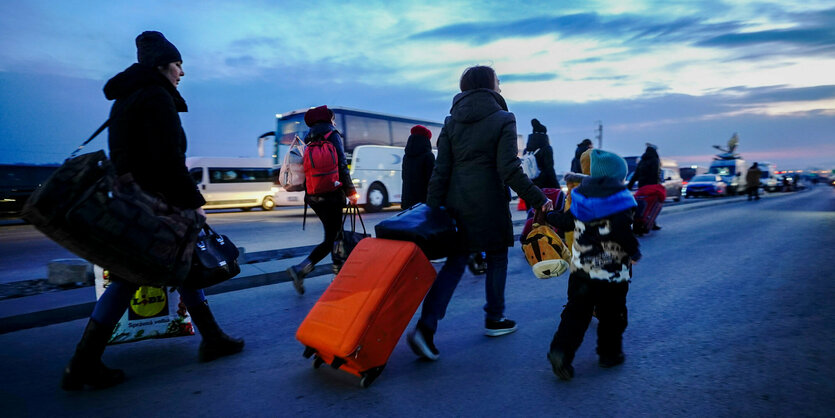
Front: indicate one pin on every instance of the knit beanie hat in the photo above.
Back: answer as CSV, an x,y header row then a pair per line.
x,y
585,162
152,49
607,164
538,127
422,131
318,114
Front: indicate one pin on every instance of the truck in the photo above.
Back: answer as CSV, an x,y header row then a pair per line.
x,y
732,171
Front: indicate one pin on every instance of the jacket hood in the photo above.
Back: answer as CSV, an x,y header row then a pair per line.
x,y
137,77
600,197
650,154
536,141
418,145
474,105
318,130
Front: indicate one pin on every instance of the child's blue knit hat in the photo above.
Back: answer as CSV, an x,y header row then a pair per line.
x,y
607,164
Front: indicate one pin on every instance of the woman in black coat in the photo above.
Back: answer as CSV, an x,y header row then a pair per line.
x,y
539,143
648,170
147,140
418,162
582,147
477,161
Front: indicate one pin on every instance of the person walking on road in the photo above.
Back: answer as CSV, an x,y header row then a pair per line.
x,y
477,161
582,147
539,144
603,252
418,162
147,140
327,205
752,181
648,176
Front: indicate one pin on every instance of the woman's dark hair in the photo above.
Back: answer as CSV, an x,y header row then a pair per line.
x,y
478,77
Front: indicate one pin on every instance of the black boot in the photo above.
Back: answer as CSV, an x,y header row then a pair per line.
x,y
215,342
298,272
85,367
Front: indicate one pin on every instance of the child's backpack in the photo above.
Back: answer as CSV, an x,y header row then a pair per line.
x,y
291,175
321,166
529,165
545,251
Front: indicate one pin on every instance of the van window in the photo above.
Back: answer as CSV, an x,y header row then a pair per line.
x,y
239,175
723,170
196,175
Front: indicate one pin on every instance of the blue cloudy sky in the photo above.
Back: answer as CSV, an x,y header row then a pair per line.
x,y
684,75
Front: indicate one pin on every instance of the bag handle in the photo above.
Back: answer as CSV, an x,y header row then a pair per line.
x,y
354,211
539,217
95,134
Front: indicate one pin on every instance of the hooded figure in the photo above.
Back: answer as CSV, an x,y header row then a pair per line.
x,y
648,170
581,148
418,162
539,143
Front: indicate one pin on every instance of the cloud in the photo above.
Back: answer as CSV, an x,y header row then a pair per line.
x,y
780,93
799,37
515,78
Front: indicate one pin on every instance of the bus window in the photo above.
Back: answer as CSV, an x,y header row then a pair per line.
x,y
366,131
400,132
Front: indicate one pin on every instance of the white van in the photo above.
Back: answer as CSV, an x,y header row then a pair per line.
x,y
226,183
733,173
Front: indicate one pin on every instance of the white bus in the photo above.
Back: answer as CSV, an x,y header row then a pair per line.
x,y
242,183
381,139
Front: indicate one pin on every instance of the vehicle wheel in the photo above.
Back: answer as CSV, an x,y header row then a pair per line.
x,y
246,209
268,203
677,198
687,196
377,198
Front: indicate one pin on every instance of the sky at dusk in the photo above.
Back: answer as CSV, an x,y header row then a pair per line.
x,y
684,75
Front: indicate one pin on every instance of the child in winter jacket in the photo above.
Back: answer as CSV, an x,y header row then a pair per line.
x,y
604,249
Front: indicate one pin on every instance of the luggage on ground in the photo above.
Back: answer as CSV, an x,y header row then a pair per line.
x,y
650,199
291,174
321,166
432,229
358,320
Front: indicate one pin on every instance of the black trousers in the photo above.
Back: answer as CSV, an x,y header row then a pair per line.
x,y
584,296
328,207
753,192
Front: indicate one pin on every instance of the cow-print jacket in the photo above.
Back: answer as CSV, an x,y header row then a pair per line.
x,y
601,217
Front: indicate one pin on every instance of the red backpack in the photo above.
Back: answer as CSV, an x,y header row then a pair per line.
x,y
321,166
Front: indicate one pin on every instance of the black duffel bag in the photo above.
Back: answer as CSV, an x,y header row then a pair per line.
x,y
432,229
108,220
346,240
215,260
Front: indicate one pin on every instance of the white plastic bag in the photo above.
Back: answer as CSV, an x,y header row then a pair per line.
x,y
291,174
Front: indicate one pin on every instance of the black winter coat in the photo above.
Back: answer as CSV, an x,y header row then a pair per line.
x,y
418,162
146,137
648,170
576,166
544,160
477,161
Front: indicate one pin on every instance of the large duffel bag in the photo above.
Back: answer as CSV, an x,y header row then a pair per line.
x,y
111,222
432,229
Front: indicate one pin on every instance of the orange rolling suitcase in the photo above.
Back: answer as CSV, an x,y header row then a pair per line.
x,y
358,320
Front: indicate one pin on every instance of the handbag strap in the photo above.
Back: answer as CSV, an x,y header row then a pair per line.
x,y
354,211
95,134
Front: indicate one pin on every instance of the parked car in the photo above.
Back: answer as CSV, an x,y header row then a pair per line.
x,y
705,185
670,179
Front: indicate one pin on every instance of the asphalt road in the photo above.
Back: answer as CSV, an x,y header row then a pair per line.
x,y
730,315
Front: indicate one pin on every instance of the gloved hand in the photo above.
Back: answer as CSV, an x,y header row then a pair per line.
x,y
353,198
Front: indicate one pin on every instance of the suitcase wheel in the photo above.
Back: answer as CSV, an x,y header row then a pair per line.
x,y
370,375
318,362
337,362
308,352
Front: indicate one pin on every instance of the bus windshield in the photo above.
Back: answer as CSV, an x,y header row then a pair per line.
x,y
286,130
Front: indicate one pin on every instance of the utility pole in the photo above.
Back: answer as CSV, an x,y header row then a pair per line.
x,y
600,134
